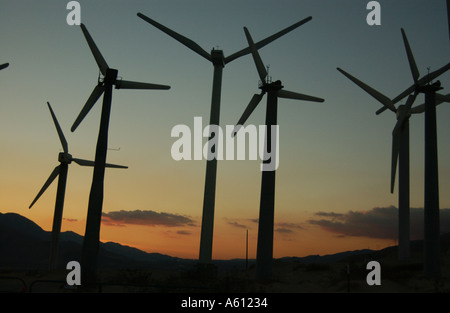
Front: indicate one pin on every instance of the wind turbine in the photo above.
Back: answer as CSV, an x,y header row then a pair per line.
x,y
274,91
3,66
400,144
431,205
400,152
64,159
217,58
104,86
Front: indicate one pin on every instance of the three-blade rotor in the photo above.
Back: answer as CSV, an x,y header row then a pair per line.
x,y
415,72
199,50
262,72
110,78
64,158
404,111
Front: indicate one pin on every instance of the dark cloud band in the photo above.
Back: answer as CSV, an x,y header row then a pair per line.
x,y
379,223
146,217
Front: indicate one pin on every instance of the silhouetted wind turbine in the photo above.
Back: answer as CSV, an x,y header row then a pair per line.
x,y
400,142
61,170
431,205
3,66
400,152
217,58
274,91
105,85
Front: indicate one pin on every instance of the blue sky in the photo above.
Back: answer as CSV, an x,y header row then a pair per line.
x,y
334,156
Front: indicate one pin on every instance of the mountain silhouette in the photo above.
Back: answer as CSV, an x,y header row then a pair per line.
x,y
25,245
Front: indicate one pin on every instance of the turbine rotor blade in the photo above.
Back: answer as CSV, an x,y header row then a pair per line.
x,y
95,95
439,99
429,77
442,98
185,41
381,110
92,163
412,62
267,40
4,66
103,66
410,100
83,162
115,166
124,84
58,129
396,146
395,152
256,57
421,82
256,99
297,96
418,109
50,179
374,93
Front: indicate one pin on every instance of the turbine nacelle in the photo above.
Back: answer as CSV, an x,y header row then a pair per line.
x,y
111,76
65,157
217,57
269,85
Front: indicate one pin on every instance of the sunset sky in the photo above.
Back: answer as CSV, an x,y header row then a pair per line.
x,y
333,181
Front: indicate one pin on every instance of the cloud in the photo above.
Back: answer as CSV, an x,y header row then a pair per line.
x,y
183,232
379,223
329,214
281,227
289,225
146,218
236,224
70,219
283,230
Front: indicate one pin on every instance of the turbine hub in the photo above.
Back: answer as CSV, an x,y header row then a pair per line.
x,y
111,76
276,85
217,57
64,157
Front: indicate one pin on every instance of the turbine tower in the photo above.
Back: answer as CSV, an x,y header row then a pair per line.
x,y
400,143
104,86
431,201
400,154
61,170
3,66
274,91
217,58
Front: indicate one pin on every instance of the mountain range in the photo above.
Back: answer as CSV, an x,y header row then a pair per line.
x,y
25,245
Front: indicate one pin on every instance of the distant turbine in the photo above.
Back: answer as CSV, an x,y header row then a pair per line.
x,y
105,85
65,159
274,91
217,58
400,142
